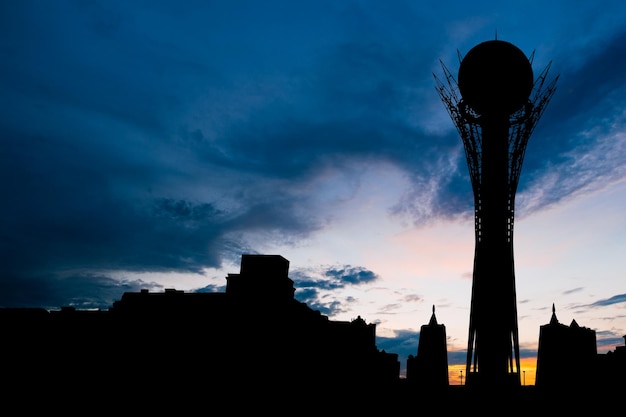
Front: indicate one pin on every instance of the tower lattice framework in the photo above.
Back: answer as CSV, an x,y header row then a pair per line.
x,y
494,167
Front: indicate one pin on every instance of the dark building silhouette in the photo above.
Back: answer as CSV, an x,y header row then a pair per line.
x,y
611,369
253,336
429,369
495,107
566,356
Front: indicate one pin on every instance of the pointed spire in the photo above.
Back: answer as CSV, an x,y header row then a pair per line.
x,y
553,319
433,319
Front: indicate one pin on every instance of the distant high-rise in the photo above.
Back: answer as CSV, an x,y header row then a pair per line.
x,y
429,369
495,106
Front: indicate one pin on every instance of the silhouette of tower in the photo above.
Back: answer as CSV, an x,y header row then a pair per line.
x,y
495,106
429,369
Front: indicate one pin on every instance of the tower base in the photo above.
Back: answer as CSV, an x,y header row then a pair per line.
x,y
511,380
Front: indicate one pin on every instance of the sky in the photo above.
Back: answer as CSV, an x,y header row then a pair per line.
x,y
149,144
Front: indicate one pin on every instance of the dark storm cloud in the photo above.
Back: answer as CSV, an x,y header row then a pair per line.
x,y
85,143
334,277
351,275
69,207
312,287
353,104
80,206
61,59
356,106
53,291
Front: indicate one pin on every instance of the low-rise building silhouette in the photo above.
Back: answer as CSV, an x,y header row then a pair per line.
x,y
611,368
255,334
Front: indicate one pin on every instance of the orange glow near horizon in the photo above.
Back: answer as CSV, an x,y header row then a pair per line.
x,y
528,367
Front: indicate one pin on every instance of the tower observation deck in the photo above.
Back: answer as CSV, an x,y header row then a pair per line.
x,y
495,105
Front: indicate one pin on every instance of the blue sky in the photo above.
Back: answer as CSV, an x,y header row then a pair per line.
x,y
148,144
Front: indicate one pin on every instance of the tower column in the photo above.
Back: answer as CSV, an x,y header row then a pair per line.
x,y
493,308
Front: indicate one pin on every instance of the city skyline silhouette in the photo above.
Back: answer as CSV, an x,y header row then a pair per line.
x,y
234,346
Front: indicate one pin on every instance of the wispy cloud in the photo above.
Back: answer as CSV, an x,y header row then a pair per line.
x,y
572,291
616,299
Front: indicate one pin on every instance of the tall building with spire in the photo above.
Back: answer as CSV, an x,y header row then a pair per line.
x,y
566,356
430,367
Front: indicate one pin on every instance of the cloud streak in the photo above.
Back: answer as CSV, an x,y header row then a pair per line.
x,y
616,299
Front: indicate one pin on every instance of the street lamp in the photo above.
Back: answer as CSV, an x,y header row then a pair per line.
x,y
524,377
461,376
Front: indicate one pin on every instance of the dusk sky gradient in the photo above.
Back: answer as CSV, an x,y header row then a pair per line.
x,y
149,144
